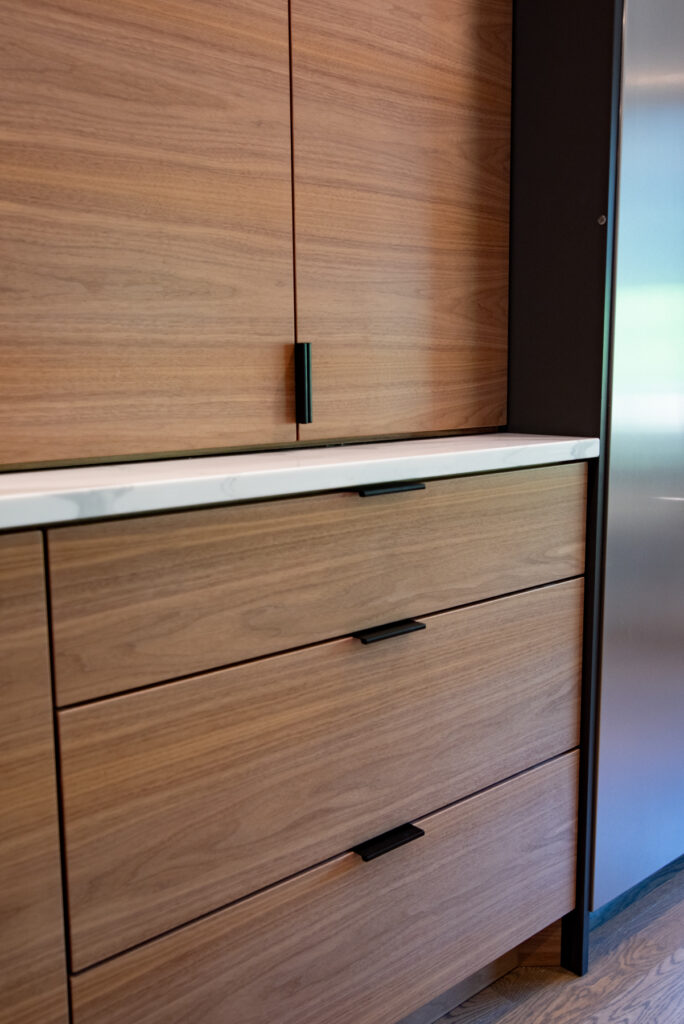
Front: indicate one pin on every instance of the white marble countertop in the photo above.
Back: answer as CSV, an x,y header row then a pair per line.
x,y
47,496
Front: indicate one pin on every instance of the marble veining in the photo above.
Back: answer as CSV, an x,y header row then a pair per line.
x,y
49,496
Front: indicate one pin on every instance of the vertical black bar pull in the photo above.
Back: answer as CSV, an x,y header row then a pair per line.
x,y
303,382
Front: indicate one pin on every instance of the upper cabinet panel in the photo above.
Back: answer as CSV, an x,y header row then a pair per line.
x,y
401,160
146,249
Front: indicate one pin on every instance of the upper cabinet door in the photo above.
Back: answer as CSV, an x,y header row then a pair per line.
x,y
146,253
401,166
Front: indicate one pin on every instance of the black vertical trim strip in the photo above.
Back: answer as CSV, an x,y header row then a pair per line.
x,y
565,124
577,925
58,775
609,324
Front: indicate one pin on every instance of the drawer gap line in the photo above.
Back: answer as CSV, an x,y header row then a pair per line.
x,y
304,871
66,918
199,673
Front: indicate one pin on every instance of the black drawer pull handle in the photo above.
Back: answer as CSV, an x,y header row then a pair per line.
x,y
372,492
388,841
371,636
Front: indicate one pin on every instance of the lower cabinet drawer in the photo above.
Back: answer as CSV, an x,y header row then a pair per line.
x,y
351,942
140,601
181,799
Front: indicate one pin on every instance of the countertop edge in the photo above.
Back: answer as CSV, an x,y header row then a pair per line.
x,y
53,496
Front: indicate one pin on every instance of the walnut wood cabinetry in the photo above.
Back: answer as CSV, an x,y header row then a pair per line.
x,y
356,943
144,600
401,167
184,797
33,984
215,826
148,302
189,188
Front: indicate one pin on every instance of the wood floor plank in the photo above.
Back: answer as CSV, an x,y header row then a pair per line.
x,y
658,996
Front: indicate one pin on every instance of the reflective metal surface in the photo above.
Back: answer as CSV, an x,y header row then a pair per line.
x,y
640,804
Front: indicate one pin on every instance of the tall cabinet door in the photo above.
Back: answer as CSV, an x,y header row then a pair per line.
x,y
401,168
145,181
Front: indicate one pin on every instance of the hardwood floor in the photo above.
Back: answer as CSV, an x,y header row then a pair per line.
x,y
636,974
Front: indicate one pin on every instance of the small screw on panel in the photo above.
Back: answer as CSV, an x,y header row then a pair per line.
x,y
602,219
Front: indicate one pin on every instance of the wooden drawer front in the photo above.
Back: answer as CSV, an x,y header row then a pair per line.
x,y
184,797
363,943
138,601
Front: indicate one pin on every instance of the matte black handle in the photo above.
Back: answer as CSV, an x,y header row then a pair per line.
x,y
388,841
304,411
376,633
373,492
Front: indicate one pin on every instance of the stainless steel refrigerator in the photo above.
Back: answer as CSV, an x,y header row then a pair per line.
x,y
640,794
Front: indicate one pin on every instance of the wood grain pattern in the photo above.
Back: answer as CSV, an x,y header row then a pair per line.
x,y
147,300
144,600
355,943
636,974
33,983
184,797
401,163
